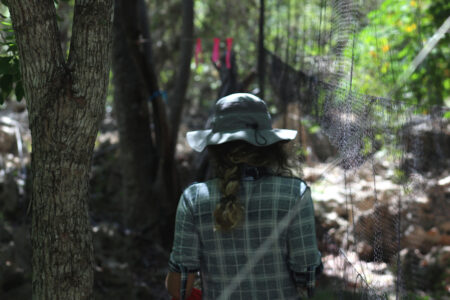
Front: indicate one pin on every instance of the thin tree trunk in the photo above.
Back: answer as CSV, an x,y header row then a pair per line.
x,y
164,181
137,154
177,98
170,182
261,52
65,102
147,74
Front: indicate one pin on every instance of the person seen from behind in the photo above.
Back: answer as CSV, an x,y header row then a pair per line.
x,y
250,231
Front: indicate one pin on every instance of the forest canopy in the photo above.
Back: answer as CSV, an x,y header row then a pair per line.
x,y
390,35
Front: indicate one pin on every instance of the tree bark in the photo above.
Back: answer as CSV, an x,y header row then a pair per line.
x,y
169,182
177,98
261,52
65,102
137,153
147,74
135,60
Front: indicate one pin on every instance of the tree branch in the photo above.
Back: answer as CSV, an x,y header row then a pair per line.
x,y
90,43
36,31
31,19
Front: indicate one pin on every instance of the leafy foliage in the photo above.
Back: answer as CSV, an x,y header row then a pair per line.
x,y
10,80
396,33
393,34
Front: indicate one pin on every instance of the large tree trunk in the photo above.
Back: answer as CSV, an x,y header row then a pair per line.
x,y
65,102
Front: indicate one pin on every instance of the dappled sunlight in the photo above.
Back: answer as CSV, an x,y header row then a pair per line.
x,y
365,84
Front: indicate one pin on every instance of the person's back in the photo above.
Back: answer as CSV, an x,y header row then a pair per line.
x,y
250,262
250,231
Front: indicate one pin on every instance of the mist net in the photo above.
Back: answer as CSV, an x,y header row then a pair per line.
x,y
382,190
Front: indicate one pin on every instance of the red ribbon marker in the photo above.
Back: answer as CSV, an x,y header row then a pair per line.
x,y
215,54
228,56
198,52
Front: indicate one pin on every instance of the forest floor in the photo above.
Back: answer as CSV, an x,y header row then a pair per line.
x,y
363,216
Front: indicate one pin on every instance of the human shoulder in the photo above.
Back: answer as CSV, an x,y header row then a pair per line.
x,y
297,185
199,188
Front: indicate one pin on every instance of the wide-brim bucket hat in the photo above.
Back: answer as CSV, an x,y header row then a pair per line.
x,y
239,116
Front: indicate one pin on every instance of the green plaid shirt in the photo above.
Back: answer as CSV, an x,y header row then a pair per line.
x,y
266,257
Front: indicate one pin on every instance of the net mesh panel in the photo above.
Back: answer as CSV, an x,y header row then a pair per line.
x,y
375,250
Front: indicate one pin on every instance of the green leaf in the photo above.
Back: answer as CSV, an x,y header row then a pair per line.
x,y
20,93
15,68
6,85
446,83
12,48
4,64
314,129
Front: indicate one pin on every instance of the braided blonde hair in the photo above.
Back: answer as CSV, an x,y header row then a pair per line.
x,y
229,159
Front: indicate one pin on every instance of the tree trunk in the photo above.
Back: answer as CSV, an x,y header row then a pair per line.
x,y
65,102
169,182
137,154
261,52
136,81
177,98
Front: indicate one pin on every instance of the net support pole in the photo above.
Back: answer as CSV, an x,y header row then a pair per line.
x,y
261,53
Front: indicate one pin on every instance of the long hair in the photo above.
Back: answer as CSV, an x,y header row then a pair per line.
x,y
228,160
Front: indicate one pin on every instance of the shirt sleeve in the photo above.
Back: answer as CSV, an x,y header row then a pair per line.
x,y
185,250
304,258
